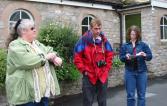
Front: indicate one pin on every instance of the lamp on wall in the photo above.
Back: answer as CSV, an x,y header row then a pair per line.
x,y
152,9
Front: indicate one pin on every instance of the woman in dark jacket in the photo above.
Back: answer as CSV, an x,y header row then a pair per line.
x,y
134,54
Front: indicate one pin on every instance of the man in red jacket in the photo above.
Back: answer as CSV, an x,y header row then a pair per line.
x,y
93,58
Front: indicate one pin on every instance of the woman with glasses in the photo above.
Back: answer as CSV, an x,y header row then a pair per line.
x,y
134,53
31,77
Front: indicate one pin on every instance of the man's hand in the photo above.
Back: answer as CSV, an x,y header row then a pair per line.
x,y
85,73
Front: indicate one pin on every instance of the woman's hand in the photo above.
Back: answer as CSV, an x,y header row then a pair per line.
x,y
142,54
53,58
128,56
57,61
50,56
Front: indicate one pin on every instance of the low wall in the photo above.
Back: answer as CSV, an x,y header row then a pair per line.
x,y
71,88
115,79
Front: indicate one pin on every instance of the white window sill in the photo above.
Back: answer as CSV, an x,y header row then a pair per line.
x,y
163,40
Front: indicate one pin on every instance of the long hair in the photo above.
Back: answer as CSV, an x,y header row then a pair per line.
x,y
136,29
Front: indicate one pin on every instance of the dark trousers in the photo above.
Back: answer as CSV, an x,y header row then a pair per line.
x,y
89,91
44,102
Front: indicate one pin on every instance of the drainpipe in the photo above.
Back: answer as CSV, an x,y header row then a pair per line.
x,y
121,26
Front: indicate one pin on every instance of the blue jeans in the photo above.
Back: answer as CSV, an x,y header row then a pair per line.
x,y
44,102
135,81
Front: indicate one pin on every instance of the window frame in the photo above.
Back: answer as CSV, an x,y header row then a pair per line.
x,y
88,26
20,16
163,25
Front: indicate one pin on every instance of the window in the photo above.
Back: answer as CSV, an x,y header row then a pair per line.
x,y
86,23
18,14
163,28
132,19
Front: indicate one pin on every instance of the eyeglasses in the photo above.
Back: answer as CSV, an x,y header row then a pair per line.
x,y
32,28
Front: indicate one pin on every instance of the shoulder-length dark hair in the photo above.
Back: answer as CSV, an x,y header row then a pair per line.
x,y
136,29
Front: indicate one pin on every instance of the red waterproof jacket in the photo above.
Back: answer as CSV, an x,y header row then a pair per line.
x,y
87,53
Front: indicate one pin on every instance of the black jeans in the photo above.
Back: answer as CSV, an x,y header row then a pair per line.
x,y
89,91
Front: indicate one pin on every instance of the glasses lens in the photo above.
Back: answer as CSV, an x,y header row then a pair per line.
x,y
32,28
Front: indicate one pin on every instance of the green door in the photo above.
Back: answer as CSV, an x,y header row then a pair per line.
x,y
132,19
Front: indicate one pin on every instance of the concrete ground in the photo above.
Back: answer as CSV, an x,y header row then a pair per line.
x,y
156,96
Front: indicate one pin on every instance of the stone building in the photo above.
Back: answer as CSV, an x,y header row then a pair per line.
x,y
149,15
72,12
153,18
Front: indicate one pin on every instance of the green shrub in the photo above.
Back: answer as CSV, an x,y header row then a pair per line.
x,y
2,67
68,72
62,39
117,62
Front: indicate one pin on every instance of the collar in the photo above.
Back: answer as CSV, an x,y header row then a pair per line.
x,y
24,42
137,42
88,36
